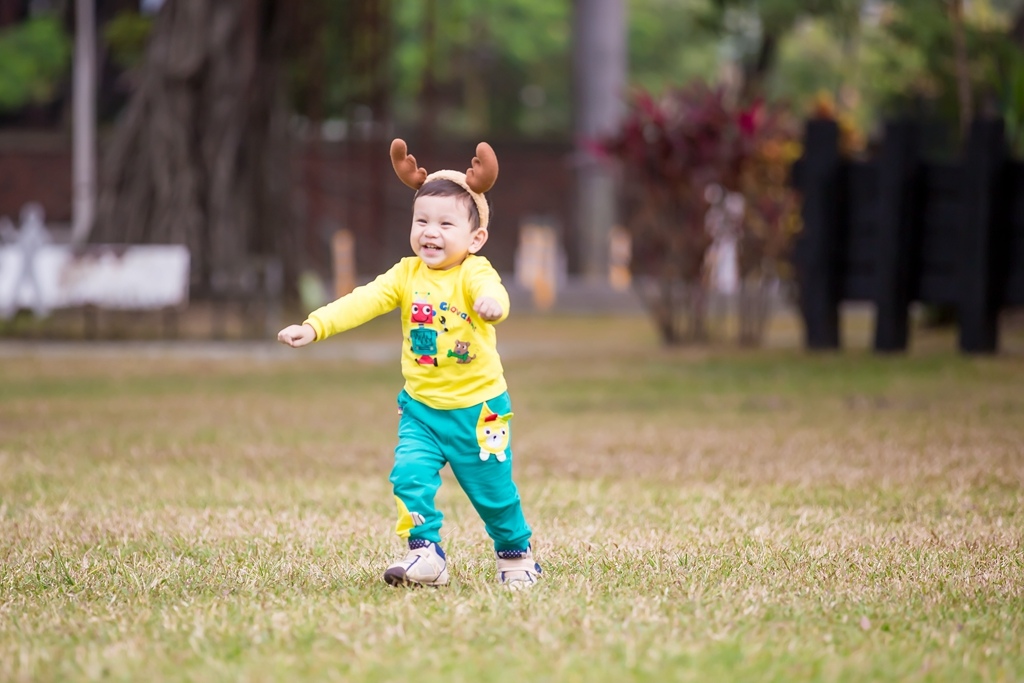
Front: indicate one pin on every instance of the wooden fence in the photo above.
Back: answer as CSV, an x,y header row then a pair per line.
x,y
898,229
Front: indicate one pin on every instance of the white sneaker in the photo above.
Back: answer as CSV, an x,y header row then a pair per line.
x,y
517,569
423,565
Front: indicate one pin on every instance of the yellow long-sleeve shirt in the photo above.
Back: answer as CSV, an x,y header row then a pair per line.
x,y
449,355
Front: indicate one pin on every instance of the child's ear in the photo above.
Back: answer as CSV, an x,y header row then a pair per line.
x,y
479,238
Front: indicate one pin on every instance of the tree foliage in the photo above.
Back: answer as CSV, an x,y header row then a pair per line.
x,y
753,29
499,66
34,59
125,36
503,67
672,42
922,31
901,60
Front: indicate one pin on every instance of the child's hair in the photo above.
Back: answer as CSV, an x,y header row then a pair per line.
x,y
440,187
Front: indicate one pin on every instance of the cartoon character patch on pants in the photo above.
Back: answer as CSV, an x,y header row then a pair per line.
x,y
492,433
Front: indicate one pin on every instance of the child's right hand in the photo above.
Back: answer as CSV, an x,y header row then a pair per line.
x,y
297,335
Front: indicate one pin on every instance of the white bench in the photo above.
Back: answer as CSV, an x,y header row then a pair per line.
x,y
103,277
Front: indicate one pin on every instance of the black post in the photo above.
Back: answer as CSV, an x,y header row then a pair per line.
x,y
817,177
898,236
978,309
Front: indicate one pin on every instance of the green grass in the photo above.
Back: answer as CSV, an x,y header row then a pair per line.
x,y
700,514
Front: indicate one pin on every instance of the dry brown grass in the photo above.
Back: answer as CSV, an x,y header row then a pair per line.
x,y
701,515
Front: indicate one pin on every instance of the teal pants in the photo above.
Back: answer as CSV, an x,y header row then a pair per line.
x,y
471,440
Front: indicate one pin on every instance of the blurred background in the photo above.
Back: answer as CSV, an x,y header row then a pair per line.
x,y
160,158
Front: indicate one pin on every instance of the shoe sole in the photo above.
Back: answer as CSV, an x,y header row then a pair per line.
x,y
396,576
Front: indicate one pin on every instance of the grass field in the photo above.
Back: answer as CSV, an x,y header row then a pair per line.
x,y
701,515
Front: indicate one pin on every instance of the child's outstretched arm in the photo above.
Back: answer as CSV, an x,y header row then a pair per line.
x,y
297,335
352,310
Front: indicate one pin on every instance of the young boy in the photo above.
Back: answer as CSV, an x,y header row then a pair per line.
x,y
454,407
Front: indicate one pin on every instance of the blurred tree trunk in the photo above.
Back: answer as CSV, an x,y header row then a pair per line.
x,y
757,69
1017,30
963,73
200,156
428,89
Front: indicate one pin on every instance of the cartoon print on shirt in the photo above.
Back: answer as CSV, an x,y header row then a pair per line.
x,y
461,352
492,433
423,338
456,314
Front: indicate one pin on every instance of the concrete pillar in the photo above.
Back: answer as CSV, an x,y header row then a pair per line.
x,y
599,77
84,122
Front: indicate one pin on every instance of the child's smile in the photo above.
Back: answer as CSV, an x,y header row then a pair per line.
x,y
441,233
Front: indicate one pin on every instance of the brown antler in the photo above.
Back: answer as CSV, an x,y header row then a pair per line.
x,y
484,172
405,165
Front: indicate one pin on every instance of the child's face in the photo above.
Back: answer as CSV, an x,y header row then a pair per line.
x,y
441,232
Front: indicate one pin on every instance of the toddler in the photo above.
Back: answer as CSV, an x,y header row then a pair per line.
x,y
455,408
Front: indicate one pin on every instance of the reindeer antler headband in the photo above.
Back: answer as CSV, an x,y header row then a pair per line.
x,y
477,179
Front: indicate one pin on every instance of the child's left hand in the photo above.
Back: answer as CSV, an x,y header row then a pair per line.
x,y
488,308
